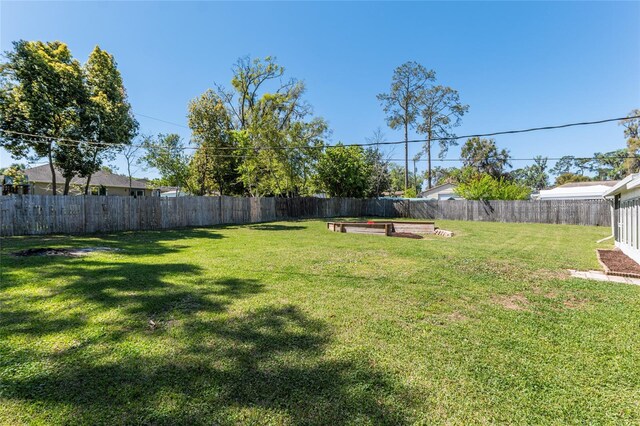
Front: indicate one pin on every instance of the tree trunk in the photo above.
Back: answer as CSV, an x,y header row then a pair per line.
x,y
86,186
67,182
129,173
406,156
429,161
53,173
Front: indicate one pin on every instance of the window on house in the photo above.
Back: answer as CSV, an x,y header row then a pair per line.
x,y
99,190
137,193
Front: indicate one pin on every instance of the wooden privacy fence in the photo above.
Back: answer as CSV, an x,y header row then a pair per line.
x,y
588,212
46,214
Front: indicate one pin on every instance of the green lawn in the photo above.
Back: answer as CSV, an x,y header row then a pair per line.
x,y
287,323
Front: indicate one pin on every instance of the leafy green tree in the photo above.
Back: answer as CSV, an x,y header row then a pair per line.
x,y
610,165
403,102
441,175
565,164
78,114
214,164
274,129
42,93
380,179
411,192
632,133
570,177
396,179
108,118
441,112
483,156
166,154
487,187
534,176
16,173
343,171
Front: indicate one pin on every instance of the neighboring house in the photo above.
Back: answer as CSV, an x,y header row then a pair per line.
x,y
9,187
174,193
102,183
393,194
625,210
593,190
441,192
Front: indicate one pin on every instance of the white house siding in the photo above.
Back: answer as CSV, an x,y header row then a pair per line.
x,y
629,224
441,192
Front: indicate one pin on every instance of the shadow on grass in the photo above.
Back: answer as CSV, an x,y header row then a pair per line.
x,y
212,365
272,363
275,227
128,243
138,292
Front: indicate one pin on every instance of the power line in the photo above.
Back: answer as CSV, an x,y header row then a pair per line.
x,y
161,120
533,129
435,160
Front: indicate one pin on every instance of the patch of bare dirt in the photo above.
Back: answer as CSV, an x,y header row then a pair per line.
x,y
567,300
616,262
457,317
549,294
515,302
510,269
575,303
159,324
406,235
48,251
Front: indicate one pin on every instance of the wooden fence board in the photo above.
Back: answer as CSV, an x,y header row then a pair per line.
x,y
45,214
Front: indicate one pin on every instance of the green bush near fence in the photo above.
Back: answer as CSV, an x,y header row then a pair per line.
x,y
287,323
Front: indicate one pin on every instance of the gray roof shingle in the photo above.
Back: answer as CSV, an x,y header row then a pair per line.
x,y
42,174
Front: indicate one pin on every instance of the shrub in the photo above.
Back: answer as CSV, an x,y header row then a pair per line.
x,y
486,187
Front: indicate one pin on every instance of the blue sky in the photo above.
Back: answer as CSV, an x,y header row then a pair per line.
x,y
516,64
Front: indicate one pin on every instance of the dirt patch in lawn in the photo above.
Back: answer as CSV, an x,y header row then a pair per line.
x,y
515,302
575,303
457,317
48,251
616,262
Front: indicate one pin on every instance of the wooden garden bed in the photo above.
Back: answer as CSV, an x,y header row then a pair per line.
x,y
411,229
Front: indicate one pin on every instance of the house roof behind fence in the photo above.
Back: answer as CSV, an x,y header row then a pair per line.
x,y
589,183
42,174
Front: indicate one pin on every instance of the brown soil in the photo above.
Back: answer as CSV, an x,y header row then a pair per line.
x,y
575,303
456,316
616,262
47,251
406,235
516,302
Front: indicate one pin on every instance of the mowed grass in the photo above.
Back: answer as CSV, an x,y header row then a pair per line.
x,y
287,323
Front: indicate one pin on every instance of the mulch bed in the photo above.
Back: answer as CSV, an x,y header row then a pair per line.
x,y
616,262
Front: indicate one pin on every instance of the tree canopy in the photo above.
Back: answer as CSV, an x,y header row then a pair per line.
x,y
404,101
488,187
343,171
484,156
166,153
274,128
53,107
441,112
